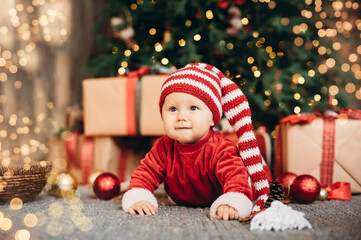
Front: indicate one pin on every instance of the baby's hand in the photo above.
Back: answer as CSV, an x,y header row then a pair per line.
x,y
226,212
143,207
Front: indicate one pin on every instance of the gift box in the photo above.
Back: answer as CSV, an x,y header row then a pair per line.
x,y
83,155
123,106
327,148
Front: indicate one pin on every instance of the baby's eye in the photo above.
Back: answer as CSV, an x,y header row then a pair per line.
x,y
173,109
193,108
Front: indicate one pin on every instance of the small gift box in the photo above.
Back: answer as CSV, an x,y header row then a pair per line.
x,y
123,106
326,147
82,155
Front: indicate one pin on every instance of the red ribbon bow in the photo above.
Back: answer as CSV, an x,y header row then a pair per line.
x,y
299,118
136,73
223,4
339,191
350,112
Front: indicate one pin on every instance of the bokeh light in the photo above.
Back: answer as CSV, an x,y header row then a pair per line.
x,y
22,234
16,203
5,224
30,220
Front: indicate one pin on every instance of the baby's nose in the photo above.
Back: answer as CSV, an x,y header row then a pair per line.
x,y
182,116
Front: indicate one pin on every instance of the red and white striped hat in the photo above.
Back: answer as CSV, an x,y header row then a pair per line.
x,y
222,95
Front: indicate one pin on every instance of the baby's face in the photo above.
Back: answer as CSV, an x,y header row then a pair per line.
x,y
186,118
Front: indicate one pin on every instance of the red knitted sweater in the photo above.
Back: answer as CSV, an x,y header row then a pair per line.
x,y
193,174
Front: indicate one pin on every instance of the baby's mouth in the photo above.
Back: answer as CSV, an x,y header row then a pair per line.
x,y
182,128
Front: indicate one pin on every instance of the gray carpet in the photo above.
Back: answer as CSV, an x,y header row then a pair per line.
x,y
91,218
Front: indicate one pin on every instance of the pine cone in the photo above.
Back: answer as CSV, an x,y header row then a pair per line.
x,y
276,193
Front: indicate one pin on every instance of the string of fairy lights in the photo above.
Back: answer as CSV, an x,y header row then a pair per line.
x,y
36,22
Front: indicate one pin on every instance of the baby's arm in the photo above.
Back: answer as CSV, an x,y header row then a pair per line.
x,y
232,175
226,212
145,179
143,207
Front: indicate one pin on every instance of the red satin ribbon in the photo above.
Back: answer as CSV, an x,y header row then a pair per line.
x,y
223,4
131,84
339,191
87,151
71,145
123,163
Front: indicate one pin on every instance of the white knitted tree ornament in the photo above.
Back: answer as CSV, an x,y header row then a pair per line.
x,y
222,95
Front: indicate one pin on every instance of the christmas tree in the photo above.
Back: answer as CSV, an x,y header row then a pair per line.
x,y
283,54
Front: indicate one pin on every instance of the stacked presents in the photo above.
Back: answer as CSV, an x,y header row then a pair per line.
x,y
116,113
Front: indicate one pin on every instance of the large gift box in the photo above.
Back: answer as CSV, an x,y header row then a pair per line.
x,y
83,155
327,148
123,106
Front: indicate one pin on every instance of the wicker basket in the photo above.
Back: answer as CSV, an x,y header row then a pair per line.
x,y
21,183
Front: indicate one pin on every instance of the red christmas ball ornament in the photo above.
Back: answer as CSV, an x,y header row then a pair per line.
x,y
106,186
305,189
286,179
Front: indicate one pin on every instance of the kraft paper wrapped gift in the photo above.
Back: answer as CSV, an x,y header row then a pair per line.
x,y
111,105
302,150
105,157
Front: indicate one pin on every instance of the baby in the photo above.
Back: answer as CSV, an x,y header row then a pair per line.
x,y
199,166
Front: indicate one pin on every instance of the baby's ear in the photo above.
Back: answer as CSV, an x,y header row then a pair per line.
x,y
212,123
226,126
